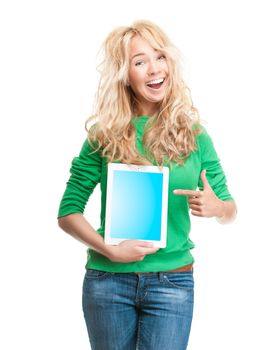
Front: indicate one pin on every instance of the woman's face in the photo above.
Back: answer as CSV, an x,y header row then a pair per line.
x,y
148,75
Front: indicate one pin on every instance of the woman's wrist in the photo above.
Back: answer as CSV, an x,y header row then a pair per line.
x,y
220,210
108,251
228,212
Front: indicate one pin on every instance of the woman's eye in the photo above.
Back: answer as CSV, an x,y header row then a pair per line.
x,y
161,57
139,63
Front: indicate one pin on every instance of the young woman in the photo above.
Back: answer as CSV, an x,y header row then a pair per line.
x,y
137,296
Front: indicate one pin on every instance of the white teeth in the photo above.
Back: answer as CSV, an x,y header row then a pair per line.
x,y
157,81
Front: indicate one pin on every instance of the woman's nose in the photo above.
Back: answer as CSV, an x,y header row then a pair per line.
x,y
153,68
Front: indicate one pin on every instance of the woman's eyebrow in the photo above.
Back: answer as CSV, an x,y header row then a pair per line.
x,y
142,54
138,54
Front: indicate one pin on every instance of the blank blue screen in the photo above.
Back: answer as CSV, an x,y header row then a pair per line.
x,y
136,205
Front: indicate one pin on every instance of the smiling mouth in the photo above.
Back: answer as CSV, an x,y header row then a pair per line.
x,y
155,84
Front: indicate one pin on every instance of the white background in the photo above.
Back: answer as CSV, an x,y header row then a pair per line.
x,y
47,83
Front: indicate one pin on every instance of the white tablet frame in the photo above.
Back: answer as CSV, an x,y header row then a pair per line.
x,y
164,210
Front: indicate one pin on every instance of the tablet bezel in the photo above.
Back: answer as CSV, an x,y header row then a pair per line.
x,y
164,210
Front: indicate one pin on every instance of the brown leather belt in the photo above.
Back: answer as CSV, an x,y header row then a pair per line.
x,y
183,269
180,269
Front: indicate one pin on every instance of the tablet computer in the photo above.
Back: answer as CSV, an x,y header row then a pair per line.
x,y
137,203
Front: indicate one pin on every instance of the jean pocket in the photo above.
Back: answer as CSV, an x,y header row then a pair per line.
x,y
181,280
97,274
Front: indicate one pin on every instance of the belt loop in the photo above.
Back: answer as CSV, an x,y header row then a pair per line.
x,y
160,276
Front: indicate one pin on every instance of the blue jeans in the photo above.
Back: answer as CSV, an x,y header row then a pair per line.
x,y
127,311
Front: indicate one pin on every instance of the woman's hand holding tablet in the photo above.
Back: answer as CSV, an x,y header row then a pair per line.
x,y
130,251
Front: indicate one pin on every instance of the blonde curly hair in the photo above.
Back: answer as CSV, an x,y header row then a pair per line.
x,y
170,134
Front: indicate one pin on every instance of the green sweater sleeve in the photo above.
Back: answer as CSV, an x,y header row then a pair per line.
x,y
85,175
211,162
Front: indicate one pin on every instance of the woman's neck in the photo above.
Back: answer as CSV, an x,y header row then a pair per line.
x,y
147,109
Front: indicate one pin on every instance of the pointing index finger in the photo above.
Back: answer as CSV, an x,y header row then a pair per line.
x,y
189,193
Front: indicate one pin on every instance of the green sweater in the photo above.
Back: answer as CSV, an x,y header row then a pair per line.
x,y
88,170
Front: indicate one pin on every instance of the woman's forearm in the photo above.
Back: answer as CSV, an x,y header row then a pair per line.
x,y
127,251
228,213
78,227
